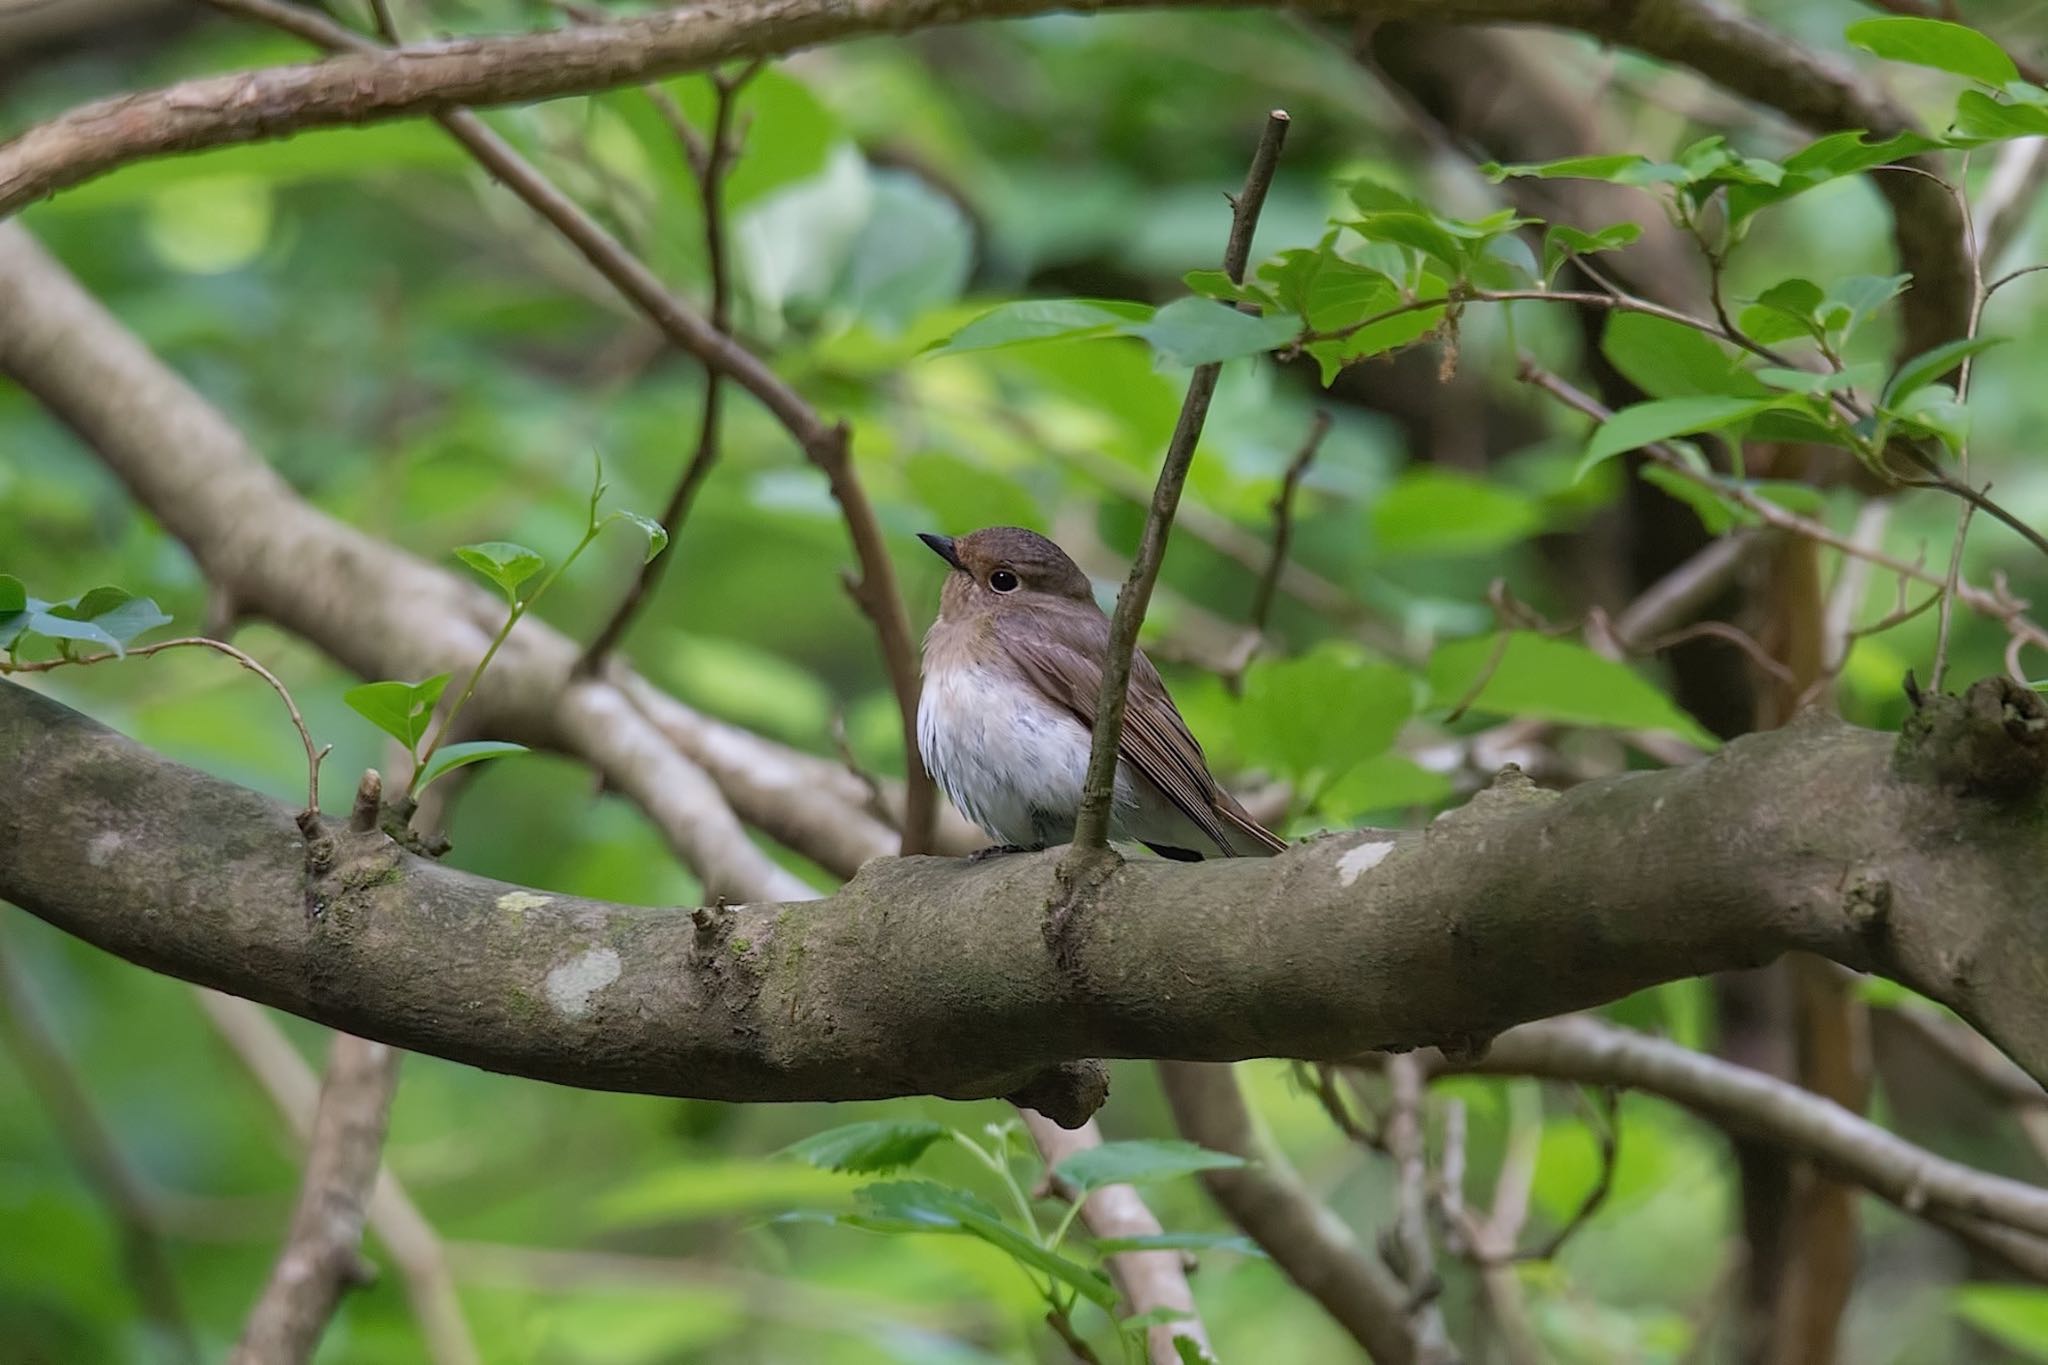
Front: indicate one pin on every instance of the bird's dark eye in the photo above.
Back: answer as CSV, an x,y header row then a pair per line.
x,y
1002,580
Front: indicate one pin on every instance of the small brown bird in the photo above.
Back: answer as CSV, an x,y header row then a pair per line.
x,y
1012,670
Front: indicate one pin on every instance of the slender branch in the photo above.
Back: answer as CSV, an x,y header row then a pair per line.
x,y
1416,1261
1749,1102
1091,825
1148,1280
823,443
1948,595
55,1082
2007,612
710,160
403,1232
322,1257
1283,519
1269,1202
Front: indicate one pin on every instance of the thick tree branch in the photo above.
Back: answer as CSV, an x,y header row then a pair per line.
x,y
322,1257
1916,857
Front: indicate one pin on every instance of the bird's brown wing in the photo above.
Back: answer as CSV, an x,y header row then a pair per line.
x,y
1059,655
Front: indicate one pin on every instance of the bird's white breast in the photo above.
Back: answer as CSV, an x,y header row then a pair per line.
x,y
1013,762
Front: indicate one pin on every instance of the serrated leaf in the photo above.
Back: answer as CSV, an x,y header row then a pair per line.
x,y
400,709
504,563
1647,423
1015,324
451,756
656,533
921,1206
1538,678
868,1148
1953,48
1140,1162
1191,332
1930,365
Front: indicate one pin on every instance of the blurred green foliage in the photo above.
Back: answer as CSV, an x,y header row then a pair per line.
x,y
419,357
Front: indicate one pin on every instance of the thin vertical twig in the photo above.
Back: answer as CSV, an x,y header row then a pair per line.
x,y
1091,825
53,1079
711,159
401,1229
1283,519
322,1258
1948,596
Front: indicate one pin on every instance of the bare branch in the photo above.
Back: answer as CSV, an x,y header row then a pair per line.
x,y
322,1257
1148,1280
1283,519
1268,1201
1847,1146
293,1088
1818,840
1091,824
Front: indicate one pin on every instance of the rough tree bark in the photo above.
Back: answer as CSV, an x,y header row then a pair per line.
x,y
1915,856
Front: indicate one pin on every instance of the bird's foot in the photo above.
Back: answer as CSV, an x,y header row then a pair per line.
x,y
1000,851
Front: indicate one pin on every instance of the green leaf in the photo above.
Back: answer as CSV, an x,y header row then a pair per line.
x,y
1862,375
1142,1162
1980,119
504,563
656,533
1622,168
1853,298
868,1148
452,756
2016,1315
1543,679
1203,332
1937,43
14,609
1932,410
1419,231
921,1206
1645,423
1784,311
1930,365
1014,324
1562,241
107,616
1384,782
1670,360
1322,712
1191,1352
1717,514
1181,1241
400,709
1431,510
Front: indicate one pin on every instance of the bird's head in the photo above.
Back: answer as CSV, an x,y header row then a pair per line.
x,y
1005,569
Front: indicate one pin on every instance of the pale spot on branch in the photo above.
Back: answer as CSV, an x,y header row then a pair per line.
x,y
571,985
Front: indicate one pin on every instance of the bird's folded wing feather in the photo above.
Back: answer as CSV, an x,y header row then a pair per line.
x,y
1061,661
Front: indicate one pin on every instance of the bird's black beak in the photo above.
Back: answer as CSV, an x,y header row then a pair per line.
x,y
942,546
